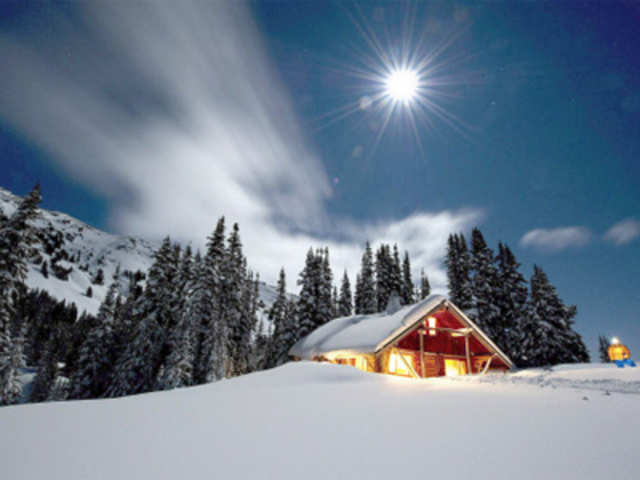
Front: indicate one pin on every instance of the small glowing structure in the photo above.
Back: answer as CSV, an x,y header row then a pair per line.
x,y
453,368
402,85
397,366
618,351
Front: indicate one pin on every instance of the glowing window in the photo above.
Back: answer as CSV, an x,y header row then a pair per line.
x,y
361,363
432,325
358,362
453,368
397,366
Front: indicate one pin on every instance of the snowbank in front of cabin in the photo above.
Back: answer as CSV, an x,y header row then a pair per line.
x,y
317,421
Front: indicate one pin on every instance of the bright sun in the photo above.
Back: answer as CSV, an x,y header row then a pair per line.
x,y
402,85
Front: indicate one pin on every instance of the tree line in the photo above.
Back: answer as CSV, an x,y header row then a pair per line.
x,y
196,320
527,320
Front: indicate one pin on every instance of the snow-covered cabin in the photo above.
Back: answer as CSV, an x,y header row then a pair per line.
x,y
428,339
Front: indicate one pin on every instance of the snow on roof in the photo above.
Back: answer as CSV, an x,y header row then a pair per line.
x,y
363,333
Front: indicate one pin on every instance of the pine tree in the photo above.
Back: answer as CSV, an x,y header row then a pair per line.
x,y
425,287
278,316
407,282
177,369
345,308
366,293
138,367
307,306
326,304
485,287
395,270
511,297
458,263
239,325
45,376
603,349
99,278
384,277
93,371
205,306
16,236
547,336
334,303
357,297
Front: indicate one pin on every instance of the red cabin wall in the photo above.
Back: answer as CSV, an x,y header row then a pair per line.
x,y
443,345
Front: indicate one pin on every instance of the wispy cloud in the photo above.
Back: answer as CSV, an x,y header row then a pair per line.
x,y
623,232
556,239
173,111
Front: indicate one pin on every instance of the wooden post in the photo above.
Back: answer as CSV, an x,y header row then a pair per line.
x,y
486,367
421,353
466,351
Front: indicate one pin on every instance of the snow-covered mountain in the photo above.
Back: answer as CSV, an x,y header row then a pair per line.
x,y
316,421
76,251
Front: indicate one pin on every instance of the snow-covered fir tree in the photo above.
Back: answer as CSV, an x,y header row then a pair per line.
x,y
204,305
308,311
384,277
326,306
396,284
345,307
458,264
547,337
235,300
95,363
16,237
485,287
137,369
407,282
45,376
177,369
357,297
282,317
511,298
425,286
366,299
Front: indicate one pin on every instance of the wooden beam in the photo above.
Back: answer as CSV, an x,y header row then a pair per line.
x,y
408,365
486,367
422,332
466,351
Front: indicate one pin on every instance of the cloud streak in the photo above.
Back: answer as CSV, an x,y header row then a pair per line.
x,y
556,239
623,232
173,112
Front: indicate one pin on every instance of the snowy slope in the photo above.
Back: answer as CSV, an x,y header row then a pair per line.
x,y
90,249
317,421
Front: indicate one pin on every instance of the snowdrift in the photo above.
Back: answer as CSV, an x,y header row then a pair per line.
x,y
318,421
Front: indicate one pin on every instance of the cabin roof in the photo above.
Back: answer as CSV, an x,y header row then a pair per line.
x,y
372,333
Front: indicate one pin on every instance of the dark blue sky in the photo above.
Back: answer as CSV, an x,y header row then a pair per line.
x,y
547,97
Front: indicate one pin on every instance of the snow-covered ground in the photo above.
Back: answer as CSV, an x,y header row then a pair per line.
x,y
308,421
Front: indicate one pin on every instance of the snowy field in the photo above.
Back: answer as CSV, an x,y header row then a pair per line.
x,y
318,421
